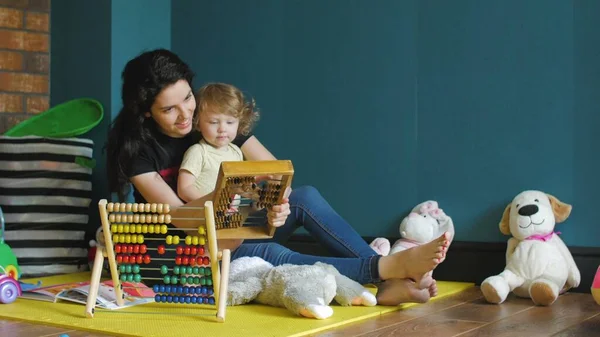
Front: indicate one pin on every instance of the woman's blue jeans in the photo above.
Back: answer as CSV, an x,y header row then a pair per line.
x,y
354,257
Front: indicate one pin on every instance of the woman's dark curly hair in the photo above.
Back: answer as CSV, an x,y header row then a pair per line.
x,y
144,77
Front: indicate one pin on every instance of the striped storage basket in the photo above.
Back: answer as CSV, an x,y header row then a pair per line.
x,y
45,193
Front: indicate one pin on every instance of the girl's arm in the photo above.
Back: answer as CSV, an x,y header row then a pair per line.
x,y
186,186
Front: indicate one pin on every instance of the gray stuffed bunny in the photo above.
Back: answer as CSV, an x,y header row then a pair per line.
x,y
305,290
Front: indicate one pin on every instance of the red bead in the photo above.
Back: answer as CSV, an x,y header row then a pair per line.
x,y
179,250
130,249
185,260
119,258
117,248
147,259
192,261
178,260
161,250
139,259
201,250
136,249
193,251
205,261
187,251
126,259
143,249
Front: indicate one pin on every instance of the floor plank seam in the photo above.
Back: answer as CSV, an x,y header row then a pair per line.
x,y
494,321
575,324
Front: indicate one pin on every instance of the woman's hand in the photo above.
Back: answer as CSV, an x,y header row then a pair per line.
x,y
279,213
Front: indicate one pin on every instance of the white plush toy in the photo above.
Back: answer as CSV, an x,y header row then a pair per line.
x,y
538,263
425,222
305,290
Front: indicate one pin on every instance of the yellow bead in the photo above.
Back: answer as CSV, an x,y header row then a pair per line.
x,y
188,240
116,238
169,239
140,238
202,240
163,229
126,228
176,239
134,238
138,228
128,238
121,238
195,240
120,228
113,228
150,229
201,230
144,229
157,228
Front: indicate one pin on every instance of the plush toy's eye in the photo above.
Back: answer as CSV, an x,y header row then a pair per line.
x,y
517,206
536,200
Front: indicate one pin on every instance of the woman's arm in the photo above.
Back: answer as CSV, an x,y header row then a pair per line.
x,y
254,150
155,190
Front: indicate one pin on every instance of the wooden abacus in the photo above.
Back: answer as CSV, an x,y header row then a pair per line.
x,y
122,242
241,178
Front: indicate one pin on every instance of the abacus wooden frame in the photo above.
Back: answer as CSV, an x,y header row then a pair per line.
x,y
273,168
220,274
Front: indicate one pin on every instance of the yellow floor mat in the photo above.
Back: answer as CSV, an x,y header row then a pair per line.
x,y
161,319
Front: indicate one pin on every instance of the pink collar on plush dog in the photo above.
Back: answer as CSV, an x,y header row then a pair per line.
x,y
542,237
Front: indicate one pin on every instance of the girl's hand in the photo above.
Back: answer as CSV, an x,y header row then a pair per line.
x,y
279,213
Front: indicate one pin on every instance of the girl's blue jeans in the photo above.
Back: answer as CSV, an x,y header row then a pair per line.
x,y
354,257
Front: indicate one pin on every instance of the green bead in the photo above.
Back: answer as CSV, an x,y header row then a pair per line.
x,y
195,270
197,280
202,271
130,277
123,277
209,282
208,271
176,270
174,279
128,268
136,268
167,279
203,281
137,278
164,269
122,268
183,280
189,270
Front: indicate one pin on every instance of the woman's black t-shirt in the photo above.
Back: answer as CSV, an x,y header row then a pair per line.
x,y
166,158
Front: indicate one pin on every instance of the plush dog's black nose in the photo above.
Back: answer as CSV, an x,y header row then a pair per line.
x,y
528,210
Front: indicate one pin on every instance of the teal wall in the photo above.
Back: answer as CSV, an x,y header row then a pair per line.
x,y
91,42
384,106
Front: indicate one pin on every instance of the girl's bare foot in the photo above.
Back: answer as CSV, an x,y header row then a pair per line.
x,y
398,291
415,262
433,290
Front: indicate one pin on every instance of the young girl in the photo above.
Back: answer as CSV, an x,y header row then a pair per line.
x,y
223,112
145,148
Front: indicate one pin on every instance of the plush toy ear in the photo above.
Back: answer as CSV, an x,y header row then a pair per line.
x,y
560,209
504,223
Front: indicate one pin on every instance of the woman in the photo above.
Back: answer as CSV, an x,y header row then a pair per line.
x,y
146,144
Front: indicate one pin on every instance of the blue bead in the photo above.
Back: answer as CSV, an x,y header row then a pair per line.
x,y
157,298
211,300
161,288
64,335
168,289
179,290
205,300
194,299
163,298
186,290
198,290
155,288
169,299
175,299
188,299
210,291
204,290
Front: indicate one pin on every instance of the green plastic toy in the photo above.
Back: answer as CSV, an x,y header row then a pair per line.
x,y
8,260
69,119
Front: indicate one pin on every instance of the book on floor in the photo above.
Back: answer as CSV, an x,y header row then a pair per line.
x,y
135,294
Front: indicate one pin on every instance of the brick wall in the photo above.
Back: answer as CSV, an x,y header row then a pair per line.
x,y
24,60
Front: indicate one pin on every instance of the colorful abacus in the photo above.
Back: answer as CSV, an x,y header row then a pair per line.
x,y
192,277
241,178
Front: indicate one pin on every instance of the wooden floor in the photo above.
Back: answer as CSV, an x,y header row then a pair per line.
x,y
464,314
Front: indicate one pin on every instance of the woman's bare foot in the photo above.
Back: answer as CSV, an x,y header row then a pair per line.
x,y
415,262
398,291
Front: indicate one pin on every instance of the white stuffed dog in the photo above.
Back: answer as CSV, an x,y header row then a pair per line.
x,y
538,263
425,222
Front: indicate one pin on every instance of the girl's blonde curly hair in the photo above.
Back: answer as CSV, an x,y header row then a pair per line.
x,y
227,99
